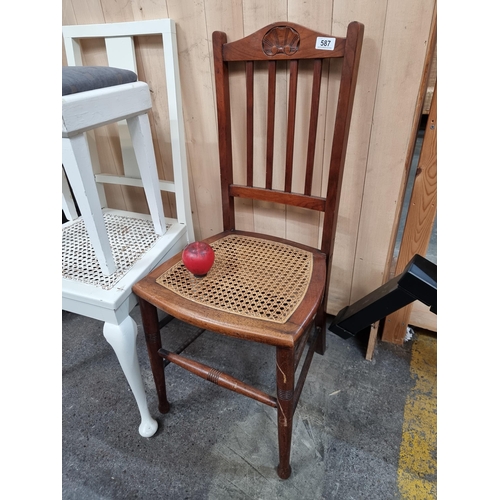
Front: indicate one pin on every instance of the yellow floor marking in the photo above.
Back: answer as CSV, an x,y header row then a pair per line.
x,y
417,471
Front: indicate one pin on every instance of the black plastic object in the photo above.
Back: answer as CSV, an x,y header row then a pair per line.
x,y
417,282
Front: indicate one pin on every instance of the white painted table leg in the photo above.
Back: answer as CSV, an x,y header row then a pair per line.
x,y
78,166
140,133
122,338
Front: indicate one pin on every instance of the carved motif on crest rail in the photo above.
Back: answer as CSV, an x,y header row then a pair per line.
x,y
280,40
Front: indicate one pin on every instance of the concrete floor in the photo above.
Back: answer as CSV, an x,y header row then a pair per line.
x,y
349,427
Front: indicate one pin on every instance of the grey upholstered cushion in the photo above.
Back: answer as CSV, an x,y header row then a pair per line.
x,y
77,79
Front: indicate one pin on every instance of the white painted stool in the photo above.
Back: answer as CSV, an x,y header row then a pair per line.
x,y
106,251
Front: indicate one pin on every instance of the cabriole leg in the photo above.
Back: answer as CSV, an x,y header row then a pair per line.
x,y
122,338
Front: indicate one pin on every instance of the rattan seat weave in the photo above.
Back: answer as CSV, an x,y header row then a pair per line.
x,y
129,237
250,277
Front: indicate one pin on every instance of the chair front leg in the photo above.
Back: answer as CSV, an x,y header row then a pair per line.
x,y
151,326
122,339
285,383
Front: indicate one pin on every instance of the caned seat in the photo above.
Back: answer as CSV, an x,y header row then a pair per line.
x,y
105,250
263,288
260,287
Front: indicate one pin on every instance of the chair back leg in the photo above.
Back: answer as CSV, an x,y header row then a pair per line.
x,y
78,167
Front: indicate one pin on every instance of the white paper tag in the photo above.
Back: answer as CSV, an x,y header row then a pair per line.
x,y
325,43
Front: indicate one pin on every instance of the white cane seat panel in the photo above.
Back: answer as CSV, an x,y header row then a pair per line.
x,y
130,238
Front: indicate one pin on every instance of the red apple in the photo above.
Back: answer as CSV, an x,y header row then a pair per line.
x,y
198,257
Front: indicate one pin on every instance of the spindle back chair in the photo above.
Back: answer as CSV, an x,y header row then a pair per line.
x,y
262,288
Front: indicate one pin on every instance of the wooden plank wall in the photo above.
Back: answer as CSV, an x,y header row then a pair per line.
x,y
396,35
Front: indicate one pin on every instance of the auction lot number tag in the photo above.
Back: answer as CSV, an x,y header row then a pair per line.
x,y
325,43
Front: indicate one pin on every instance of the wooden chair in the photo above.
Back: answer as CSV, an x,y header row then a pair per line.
x,y
262,288
105,251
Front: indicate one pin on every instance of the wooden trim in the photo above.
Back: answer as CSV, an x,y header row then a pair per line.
x,y
149,27
96,108
419,222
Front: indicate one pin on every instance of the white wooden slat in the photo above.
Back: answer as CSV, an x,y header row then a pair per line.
x,y
73,52
96,166
149,27
177,134
122,180
102,106
68,204
121,54
140,132
78,167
